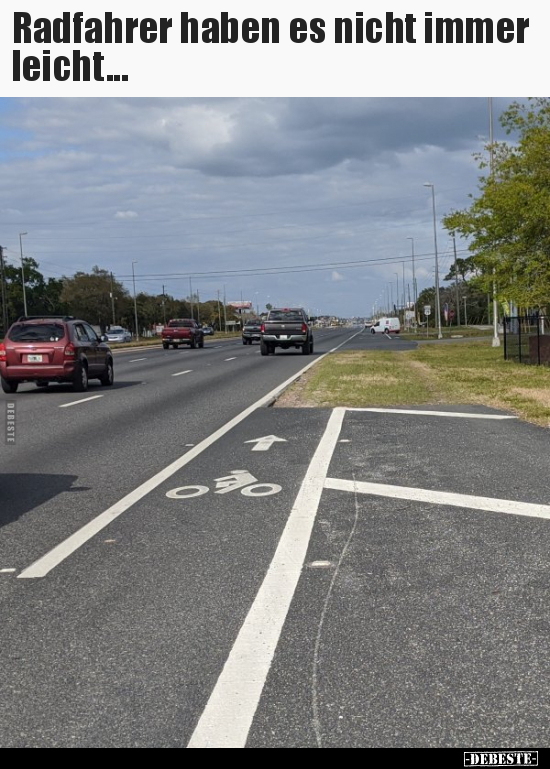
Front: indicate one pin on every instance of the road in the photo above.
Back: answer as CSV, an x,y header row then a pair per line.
x,y
86,644
183,566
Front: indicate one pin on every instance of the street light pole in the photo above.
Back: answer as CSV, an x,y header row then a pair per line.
x,y
23,271
496,339
437,298
135,301
397,294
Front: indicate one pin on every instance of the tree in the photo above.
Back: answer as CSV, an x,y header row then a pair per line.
x,y
88,295
508,224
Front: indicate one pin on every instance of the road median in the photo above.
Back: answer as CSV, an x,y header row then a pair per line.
x,y
471,373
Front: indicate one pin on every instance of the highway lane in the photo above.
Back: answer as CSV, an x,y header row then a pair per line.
x,y
69,464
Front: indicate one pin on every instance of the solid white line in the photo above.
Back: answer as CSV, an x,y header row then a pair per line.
x,y
84,400
137,360
228,715
181,373
461,415
7,571
230,359
441,498
50,560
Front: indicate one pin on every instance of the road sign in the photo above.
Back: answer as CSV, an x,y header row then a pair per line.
x,y
427,309
265,443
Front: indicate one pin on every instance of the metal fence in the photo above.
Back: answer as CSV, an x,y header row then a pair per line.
x,y
527,339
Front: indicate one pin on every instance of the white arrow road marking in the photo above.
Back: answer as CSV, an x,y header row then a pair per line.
x,y
84,400
265,443
441,498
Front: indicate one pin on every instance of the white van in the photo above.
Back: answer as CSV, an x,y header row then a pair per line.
x,y
386,326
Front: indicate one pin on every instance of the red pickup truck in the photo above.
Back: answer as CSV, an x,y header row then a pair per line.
x,y
182,331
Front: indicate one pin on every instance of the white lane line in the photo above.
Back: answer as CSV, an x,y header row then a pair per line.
x,y
461,415
54,557
7,571
228,715
84,400
137,360
230,359
441,498
181,373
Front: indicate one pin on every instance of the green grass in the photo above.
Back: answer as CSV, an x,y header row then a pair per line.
x,y
463,373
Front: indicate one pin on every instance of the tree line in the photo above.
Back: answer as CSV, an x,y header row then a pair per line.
x,y
100,299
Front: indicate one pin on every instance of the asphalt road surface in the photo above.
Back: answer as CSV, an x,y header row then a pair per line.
x,y
181,565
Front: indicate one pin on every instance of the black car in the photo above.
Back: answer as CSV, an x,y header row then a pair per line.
x,y
252,331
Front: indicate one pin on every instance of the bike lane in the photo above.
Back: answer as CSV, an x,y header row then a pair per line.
x,y
147,611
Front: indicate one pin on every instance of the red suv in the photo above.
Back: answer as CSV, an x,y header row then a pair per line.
x,y
54,349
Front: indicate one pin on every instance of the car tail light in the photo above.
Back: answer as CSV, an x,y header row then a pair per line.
x,y
262,328
304,328
3,354
70,351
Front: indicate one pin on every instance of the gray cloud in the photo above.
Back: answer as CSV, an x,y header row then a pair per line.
x,y
205,185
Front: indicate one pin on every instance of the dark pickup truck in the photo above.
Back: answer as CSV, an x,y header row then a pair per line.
x,y
286,327
182,331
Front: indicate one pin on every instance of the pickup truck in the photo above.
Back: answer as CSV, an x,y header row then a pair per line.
x,y
286,327
182,331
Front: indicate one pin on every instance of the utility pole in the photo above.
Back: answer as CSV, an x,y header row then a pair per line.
x,y
415,295
164,305
224,310
465,313
191,297
113,301
219,311
457,300
135,301
198,308
3,294
23,271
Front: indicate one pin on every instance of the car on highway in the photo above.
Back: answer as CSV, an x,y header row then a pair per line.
x,y
386,326
286,327
182,331
54,348
117,334
252,331
208,330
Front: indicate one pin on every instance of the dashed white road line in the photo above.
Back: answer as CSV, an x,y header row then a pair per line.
x,y
181,373
7,571
446,498
77,403
137,360
227,359
228,715
459,414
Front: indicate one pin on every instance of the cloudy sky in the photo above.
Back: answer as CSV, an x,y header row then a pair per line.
x,y
307,202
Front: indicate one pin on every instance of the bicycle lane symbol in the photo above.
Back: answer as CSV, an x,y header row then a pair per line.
x,y
239,479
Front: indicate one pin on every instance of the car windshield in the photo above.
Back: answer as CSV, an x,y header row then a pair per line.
x,y
37,332
253,323
290,315
181,324
115,331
